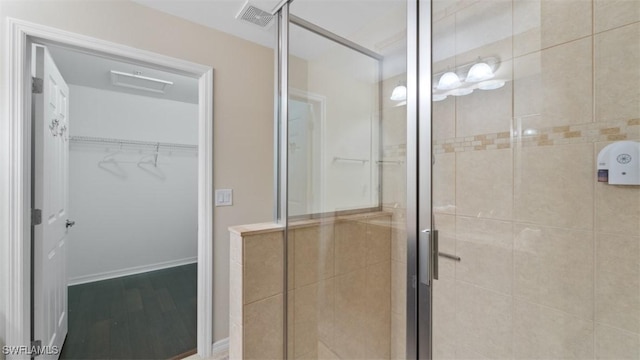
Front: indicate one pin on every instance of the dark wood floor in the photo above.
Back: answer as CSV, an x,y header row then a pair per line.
x,y
145,316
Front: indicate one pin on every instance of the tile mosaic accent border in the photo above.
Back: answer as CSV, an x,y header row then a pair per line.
x,y
557,135
394,152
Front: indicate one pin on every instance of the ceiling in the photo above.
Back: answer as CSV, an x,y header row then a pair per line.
x,y
379,25
84,69
343,17
374,24
217,14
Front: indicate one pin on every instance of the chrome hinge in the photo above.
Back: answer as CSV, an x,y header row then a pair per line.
x,y
36,216
36,85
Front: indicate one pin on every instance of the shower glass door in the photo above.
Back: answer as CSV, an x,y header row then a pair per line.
x,y
538,259
344,142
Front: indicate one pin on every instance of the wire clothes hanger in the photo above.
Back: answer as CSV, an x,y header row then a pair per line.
x,y
153,160
110,164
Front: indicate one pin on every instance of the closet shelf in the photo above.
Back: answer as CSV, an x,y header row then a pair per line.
x,y
99,140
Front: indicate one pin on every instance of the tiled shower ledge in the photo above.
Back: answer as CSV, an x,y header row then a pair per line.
x,y
263,228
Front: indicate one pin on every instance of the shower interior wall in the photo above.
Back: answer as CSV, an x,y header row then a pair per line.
x,y
550,256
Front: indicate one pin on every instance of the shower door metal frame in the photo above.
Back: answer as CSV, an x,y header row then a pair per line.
x,y
421,250
281,128
412,181
333,37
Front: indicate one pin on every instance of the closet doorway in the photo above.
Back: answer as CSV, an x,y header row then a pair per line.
x,y
89,165
131,258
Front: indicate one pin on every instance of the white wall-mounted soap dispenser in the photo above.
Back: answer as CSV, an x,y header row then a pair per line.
x,y
619,163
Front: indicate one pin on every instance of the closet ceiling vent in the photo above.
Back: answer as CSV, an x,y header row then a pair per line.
x,y
139,82
255,16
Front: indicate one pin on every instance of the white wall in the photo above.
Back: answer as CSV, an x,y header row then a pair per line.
x,y
112,114
349,129
242,110
129,219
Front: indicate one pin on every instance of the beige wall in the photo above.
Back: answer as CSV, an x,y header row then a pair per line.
x,y
243,104
549,256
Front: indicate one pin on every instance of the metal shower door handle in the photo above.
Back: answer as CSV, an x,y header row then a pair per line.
x,y
450,256
434,253
428,256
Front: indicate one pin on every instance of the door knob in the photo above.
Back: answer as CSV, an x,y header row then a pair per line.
x,y
70,223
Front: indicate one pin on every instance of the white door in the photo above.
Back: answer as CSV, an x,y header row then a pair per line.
x,y
51,159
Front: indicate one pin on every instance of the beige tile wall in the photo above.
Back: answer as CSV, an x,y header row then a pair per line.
x,y
256,303
550,257
345,310
398,286
339,293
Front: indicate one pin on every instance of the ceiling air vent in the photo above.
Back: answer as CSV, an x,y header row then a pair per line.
x,y
137,81
255,16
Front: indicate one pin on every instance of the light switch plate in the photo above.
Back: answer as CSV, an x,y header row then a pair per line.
x,y
224,197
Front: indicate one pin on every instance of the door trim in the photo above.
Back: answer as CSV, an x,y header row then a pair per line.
x,y
15,170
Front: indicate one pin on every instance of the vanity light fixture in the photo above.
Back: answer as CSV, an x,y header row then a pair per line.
x,y
464,79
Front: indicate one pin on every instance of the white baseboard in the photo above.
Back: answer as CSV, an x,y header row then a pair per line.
x,y
130,271
220,347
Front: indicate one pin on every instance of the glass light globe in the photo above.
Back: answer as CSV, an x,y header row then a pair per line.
x,y
479,72
448,81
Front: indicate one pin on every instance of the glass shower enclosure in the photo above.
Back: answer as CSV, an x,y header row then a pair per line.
x,y
344,145
437,171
